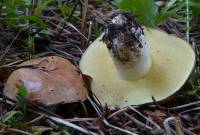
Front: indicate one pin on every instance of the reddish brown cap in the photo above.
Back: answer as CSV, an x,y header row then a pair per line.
x,y
53,80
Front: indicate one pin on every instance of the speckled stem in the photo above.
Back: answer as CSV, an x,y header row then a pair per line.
x,y
127,47
137,71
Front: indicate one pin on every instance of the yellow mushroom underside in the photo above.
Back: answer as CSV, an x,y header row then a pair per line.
x,y
172,62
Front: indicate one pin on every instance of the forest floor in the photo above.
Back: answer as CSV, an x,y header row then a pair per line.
x,y
68,31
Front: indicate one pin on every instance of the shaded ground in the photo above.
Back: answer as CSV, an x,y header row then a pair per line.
x,y
69,34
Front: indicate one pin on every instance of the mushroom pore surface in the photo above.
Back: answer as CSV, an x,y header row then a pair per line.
x,y
172,62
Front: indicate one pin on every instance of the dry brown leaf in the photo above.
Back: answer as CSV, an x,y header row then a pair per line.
x,y
157,115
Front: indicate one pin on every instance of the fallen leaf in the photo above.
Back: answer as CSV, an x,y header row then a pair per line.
x,y
157,115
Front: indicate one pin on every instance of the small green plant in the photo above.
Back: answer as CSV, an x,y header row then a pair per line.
x,y
97,30
56,133
10,117
41,6
2,126
194,7
14,119
37,131
147,11
150,15
21,97
30,44
66,9
193,81
9,10
13,14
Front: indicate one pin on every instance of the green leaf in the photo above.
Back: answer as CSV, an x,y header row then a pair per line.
x,y
12,21
40,7
30,43
149,14
56,133
192,92
66,9
194,2
146,9
169,10
195,6
9,8
11,16
34,19
116,2
22,97
97,30
20,3
22,91
2,126
10,115
193,78
37,130
47,32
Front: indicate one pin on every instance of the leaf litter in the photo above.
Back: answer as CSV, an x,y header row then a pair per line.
x,y
69,40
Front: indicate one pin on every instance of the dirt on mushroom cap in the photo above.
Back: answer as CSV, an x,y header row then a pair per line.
x,y
49,80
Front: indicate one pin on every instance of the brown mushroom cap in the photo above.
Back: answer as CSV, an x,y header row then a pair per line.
x,y
54,80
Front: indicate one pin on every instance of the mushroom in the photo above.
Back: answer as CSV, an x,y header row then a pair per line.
x,y
49,80
130,64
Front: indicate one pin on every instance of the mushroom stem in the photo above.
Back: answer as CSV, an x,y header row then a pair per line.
x,y
133,72
127,47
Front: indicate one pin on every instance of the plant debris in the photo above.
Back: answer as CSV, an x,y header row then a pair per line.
x,y
68,27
